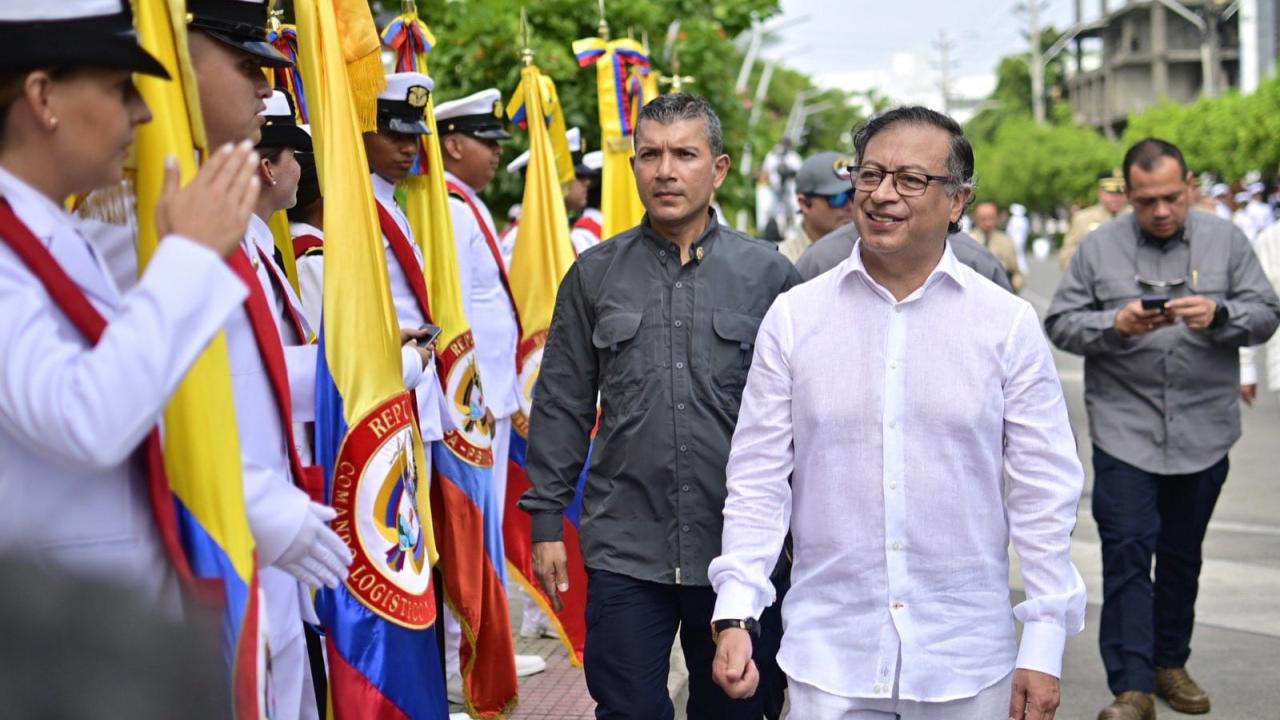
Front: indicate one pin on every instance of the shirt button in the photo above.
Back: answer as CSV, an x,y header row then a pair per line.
x,y
684,448
897,546
679,323
893,485
679,285
897,308
684,528
893,424
893,365
680,406
662,253
685,487
679,366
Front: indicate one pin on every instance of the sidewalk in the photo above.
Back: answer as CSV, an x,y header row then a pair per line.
x,y
560,693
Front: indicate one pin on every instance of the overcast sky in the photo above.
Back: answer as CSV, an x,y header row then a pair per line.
x,y
852,43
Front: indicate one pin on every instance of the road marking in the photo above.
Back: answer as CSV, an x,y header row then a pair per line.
x,y
1233,595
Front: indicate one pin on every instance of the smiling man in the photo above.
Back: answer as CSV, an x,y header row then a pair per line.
x,y
1158,302
658,323
887,401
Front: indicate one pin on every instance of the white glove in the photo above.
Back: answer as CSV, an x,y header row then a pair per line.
x,y
317,556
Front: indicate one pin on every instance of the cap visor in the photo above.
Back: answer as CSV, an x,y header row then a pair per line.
x,y
490,134
408,127
261,49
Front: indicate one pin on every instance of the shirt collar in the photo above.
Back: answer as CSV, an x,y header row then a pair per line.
x,y
450,177
40,214
384,191
948,267
301,228
260,231
697,252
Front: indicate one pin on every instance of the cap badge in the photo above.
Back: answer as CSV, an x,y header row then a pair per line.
x,y
417,96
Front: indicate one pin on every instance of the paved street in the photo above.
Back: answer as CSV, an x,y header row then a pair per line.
x,y
1237,638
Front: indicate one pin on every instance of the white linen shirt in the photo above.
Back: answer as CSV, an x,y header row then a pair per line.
x,y
493,321
894,421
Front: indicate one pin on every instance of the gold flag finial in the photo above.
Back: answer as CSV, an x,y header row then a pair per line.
x,y
603,28
274,16
675,79
526,52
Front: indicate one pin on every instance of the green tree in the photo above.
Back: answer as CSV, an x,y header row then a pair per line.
x,y
479,45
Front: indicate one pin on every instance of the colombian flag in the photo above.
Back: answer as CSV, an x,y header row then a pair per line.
x,y
542,256
462,495
202,448
621,90
380,634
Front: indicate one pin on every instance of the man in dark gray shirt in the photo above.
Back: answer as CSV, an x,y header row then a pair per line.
x,y
1158,302
660,323
836,246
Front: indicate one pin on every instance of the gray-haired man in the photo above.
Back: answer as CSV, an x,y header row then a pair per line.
x,y
659,323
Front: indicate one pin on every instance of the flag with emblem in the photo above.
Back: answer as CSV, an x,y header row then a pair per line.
x,y
201,445
621,90
472,567
381,642
543,254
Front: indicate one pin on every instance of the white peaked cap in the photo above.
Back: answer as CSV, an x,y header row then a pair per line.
x,y
47,10
278,105
481,103
573,135
398,85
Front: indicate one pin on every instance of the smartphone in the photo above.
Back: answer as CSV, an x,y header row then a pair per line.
x,y
1154,302
433,332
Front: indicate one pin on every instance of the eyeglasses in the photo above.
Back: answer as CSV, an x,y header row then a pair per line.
x,y
1160,284
838,201
908,183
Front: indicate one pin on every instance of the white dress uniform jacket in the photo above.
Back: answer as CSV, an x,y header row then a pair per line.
x,y
72,494
493,321
310,276
421,380
276,507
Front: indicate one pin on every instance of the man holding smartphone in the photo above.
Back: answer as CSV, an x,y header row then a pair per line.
x,y
1159,302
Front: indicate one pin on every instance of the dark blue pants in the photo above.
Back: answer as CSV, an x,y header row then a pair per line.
x,y
1148,624
631,626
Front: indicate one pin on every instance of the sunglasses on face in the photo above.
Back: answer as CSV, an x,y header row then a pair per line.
x,y
838,201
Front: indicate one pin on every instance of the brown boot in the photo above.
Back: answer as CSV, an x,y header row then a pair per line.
x,y
1180,691
1130,705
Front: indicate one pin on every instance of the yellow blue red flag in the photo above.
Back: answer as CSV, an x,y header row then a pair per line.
x,y
621,90
384,661
466,507
201,445
543,254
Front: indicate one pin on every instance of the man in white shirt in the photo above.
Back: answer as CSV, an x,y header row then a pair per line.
x,y
892,483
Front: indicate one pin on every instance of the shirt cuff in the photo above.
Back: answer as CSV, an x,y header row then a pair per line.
x,y
736,600
548,527
1043,644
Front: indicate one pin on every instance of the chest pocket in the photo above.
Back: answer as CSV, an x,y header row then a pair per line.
x,y
1114,293
616,338
735,341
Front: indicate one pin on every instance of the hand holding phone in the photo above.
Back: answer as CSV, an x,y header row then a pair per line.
x,y
1154,302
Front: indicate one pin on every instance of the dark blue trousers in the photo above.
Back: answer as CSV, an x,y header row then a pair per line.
x,y
631,627
1147,624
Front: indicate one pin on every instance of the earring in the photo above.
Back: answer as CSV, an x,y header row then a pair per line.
x,y
273,183
53,122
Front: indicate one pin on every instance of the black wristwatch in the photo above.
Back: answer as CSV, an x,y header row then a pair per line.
x,y
751,625
1220,317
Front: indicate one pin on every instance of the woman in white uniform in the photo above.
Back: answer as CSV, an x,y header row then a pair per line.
x,y
85,369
